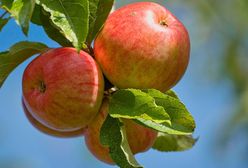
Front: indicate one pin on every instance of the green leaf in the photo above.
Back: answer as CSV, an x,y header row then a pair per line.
x,y
36,15
52,31
181,119
113,135
3,22
172,94
18,53
71,16
21,10
168,143
153,109
162,127
42,18
6,4
133,104
99,11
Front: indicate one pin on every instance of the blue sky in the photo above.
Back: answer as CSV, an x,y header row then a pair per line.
x,y
22,146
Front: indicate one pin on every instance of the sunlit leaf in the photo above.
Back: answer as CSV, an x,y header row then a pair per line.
x,y
181,119
71,16
153,109
52,30
133,104
21,10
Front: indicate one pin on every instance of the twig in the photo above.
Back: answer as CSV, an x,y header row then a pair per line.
x,y
3,14
90,50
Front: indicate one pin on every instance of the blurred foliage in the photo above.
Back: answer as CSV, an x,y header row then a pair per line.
x,y
229,19
227,22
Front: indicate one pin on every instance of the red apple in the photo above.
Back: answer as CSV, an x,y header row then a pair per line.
x,y
63,89
143,45
42,128
140,138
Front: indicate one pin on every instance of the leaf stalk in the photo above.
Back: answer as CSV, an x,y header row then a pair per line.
x,y
3,14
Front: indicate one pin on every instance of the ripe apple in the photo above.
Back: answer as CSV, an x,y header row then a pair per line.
x,y
42,128
63,89
143,45
140,138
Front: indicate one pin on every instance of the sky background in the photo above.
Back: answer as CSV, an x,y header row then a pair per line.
x,y
211,103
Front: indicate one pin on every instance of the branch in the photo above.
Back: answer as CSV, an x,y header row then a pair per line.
x,y
3,14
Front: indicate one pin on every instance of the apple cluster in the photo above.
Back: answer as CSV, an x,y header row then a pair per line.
x,y
141,45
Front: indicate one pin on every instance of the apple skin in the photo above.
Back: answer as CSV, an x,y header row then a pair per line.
x,y
63,89
143,45
42,128
140,138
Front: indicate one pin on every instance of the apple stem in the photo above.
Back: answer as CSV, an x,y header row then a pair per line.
x,y
89,49
163,23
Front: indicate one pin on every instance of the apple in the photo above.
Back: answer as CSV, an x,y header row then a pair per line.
x,y
42,128
63,89
143,45
140,138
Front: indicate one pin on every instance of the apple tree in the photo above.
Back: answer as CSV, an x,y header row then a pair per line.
x,y
139,52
